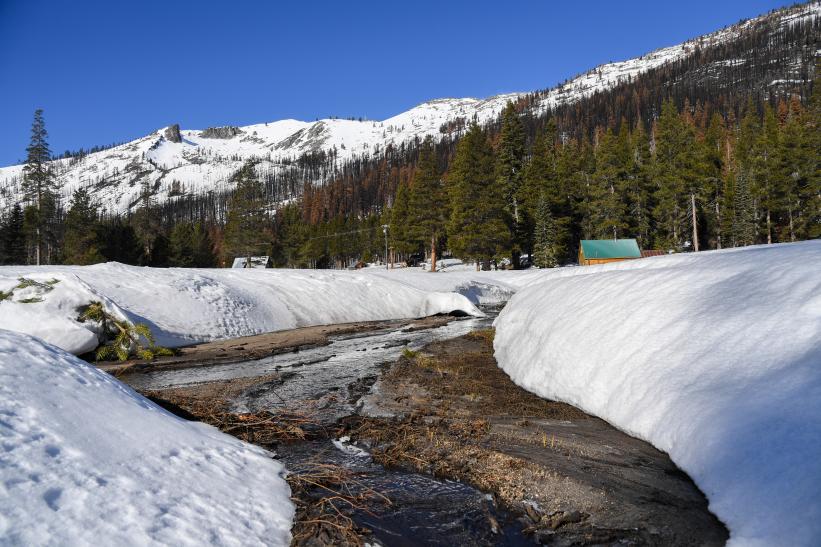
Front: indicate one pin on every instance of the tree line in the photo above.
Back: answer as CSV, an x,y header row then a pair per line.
x,y
697,153
694,180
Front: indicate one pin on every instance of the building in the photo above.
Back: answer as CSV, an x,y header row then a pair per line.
x,y
652,252
602,251
253,262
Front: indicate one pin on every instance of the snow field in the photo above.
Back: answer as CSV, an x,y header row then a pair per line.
x,y
712,357
183,306
87,461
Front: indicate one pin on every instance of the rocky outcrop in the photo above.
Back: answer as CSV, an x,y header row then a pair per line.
x,y
224,132
172,133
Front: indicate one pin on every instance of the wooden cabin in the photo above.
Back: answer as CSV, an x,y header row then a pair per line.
x,y
602,251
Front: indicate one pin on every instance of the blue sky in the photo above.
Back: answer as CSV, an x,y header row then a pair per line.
x,y
116,70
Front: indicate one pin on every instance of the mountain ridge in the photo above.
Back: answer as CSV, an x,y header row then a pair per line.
x,y
204,160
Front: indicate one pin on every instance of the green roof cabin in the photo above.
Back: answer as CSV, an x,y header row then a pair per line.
x,y
602,251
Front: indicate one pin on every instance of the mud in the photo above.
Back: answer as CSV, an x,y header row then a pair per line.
x,y
576,480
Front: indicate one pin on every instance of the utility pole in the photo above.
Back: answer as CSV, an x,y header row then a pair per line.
x,y
385,231
695,221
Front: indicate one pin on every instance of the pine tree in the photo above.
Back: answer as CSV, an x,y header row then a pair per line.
x,y
545,251
744,215
509,160
711,173
427,203
399,236
478,227
539,179
810,159
146,223
637,188
606,208
81,242
202,247
674,175
291,235
181,245
120,242
246,229
765,170
12,238
39,188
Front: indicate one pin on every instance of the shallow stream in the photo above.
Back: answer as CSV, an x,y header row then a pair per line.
x,y
330,379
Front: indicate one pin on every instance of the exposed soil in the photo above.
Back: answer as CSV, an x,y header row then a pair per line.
x,y
576,480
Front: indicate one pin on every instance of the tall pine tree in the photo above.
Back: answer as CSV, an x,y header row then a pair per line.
x,y
478,226
81,242
509,160
39,189
247,230
427,203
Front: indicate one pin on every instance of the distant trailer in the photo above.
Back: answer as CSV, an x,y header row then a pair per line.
x,y
602,251
256,262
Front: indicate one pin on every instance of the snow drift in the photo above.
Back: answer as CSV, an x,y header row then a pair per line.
x,y
713,357
182,306
87,461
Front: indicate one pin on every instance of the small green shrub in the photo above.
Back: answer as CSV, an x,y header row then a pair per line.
x,y
127,338
408,353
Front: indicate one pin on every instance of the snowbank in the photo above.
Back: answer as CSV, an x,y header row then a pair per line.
x,y
190,305
714,358
481,288
87,461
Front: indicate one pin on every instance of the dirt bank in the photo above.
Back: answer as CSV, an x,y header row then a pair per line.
x,y
576,480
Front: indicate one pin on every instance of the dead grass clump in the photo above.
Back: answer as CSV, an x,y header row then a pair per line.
x,y
266,428
484,335
325,497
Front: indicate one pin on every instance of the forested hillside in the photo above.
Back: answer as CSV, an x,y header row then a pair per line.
x,y
713,147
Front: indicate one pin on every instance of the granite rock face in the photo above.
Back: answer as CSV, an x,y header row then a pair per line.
x,y
172,133
224,132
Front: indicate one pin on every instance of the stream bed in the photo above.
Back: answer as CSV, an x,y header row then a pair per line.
x,y
330,379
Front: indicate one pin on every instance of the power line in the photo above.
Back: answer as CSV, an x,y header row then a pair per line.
x,y
344,233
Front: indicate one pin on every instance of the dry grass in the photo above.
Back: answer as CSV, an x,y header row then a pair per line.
x,y
325,495
448,432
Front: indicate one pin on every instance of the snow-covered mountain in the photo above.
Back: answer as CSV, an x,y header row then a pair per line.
x,y
174,162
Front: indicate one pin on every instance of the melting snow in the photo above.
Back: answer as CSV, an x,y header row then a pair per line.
x,y
712,357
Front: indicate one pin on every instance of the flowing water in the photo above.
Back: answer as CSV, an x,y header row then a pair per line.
x,y
423,510
326,375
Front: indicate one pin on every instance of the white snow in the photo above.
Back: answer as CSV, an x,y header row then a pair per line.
x,y
712,357
87,461
182,306
200,164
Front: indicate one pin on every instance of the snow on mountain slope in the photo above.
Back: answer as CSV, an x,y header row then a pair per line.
x,y
713,357
205,160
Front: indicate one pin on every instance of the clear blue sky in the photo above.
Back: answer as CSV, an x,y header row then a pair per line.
x,y
115,70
